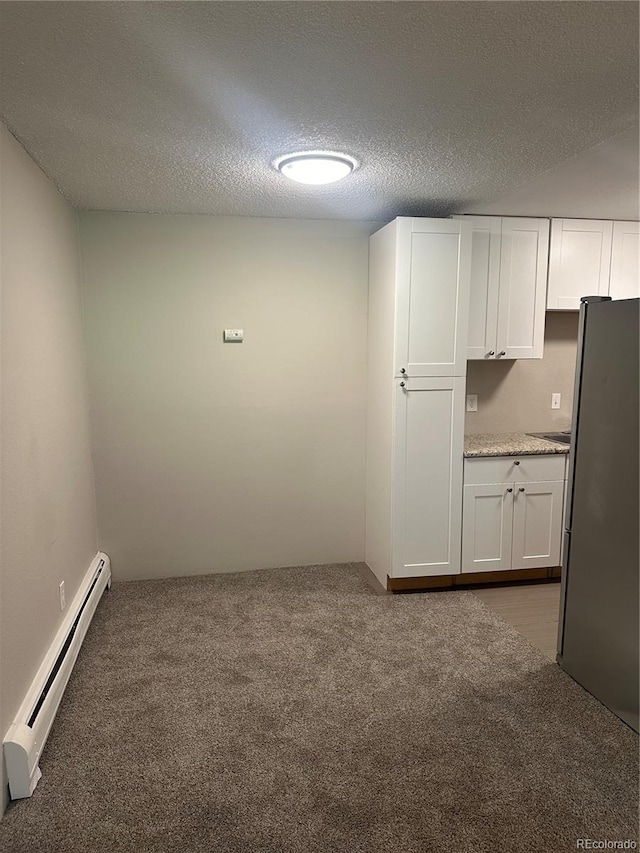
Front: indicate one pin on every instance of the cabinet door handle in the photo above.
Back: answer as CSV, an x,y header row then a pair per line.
x,y
521,489
509,490
402,384
517,462
402,370
501,353
493,352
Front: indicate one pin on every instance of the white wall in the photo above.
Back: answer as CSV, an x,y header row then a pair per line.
x,y
47,495
215,457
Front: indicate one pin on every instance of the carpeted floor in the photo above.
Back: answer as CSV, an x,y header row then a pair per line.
x,y
293,710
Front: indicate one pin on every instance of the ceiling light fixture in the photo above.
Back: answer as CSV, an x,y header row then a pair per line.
x,y
315,167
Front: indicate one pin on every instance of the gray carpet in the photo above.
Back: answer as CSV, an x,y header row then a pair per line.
x,y
294,710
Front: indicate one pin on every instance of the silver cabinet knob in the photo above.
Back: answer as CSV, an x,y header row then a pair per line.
x,y
517,462
509,490
402,384
501,353
402,370
493,352
521,489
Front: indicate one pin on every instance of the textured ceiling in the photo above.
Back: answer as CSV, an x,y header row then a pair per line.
x,y
601,183
181,106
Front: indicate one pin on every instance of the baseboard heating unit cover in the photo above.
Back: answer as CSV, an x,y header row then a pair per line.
x,y
27,736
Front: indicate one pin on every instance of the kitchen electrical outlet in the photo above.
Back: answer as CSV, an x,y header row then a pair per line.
x,y
63,598
472,402
555,401
233,336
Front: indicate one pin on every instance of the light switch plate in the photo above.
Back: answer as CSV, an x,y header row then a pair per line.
x,y
233,336
472,402
555,400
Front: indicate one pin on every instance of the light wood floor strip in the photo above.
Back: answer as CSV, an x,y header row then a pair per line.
x,y
532,609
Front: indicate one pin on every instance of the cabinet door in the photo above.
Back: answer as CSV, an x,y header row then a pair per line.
x,y
523,282
579,261
485,282
427,477
432,298
487,519
537,524
624,282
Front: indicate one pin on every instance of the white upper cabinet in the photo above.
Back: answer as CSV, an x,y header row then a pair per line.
x,y
523,284
592,257
579,261
508,287
485,287
432,297
624,282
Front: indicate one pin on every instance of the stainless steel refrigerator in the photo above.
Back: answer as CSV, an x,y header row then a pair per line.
x,y
598,635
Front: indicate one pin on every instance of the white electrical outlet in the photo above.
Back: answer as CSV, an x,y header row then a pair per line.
x,y
555,401
472,402
233,336
63,598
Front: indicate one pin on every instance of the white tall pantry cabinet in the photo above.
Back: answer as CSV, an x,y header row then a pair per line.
x,y
419,277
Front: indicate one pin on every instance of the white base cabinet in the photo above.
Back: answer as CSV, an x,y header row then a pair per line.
x,y
537,525
487,530
514,524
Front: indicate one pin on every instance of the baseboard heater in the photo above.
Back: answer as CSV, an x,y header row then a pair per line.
x,y
27,736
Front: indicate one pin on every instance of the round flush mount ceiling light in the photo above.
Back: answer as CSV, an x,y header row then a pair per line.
x,y
316,167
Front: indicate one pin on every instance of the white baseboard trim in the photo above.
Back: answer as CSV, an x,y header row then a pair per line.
x,y
28,734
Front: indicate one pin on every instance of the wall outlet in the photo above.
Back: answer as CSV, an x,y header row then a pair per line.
x,y
233,336
472,402
555,401
63,598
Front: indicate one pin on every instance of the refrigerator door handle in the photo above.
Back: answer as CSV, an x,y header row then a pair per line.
x,y
575,414
566,547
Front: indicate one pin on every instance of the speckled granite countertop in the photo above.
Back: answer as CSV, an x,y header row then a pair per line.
x,y
510,444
